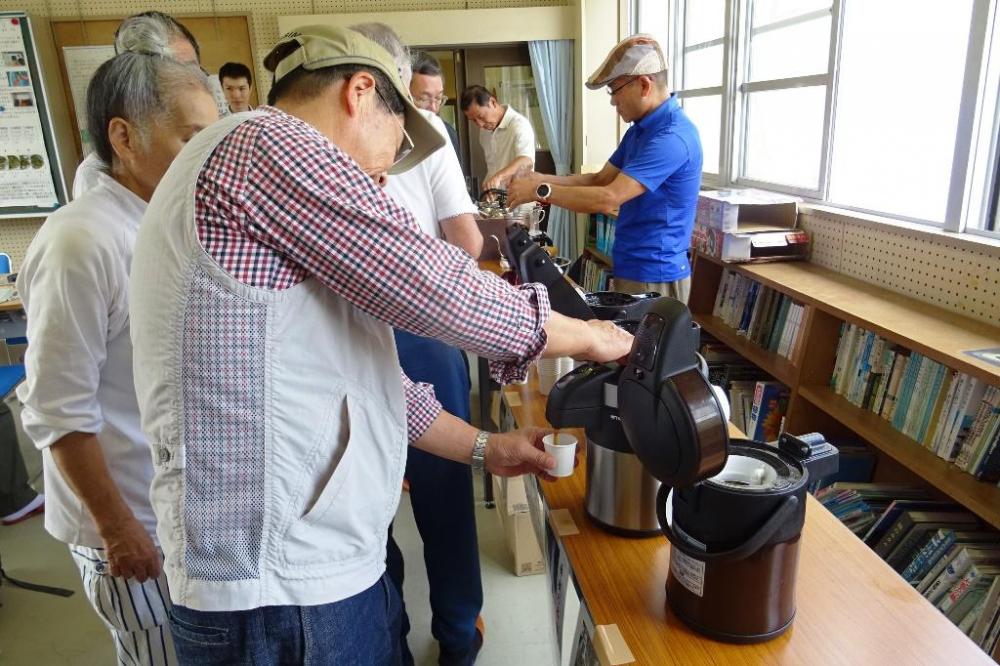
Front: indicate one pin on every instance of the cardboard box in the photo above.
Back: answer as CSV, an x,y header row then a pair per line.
x,y
746,211
750,247
522,540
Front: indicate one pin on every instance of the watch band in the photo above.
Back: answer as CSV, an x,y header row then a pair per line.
x,y
479,451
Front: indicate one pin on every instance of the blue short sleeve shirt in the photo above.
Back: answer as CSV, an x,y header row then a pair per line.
x,y
661,151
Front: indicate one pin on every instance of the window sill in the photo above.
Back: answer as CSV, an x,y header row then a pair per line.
x,y
931,233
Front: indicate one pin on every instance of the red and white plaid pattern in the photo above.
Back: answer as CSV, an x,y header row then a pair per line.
x,y
277,203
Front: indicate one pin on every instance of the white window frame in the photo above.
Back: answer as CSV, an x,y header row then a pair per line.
x,y
736,87
974,187
975,184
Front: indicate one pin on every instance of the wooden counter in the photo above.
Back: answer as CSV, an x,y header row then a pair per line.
x,y
852,607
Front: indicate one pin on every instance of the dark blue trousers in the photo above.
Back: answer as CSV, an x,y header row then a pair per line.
x,y
443,505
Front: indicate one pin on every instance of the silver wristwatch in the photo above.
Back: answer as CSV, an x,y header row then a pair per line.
x,y
479,451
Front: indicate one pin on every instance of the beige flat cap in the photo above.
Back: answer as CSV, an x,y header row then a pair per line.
x,y
633,56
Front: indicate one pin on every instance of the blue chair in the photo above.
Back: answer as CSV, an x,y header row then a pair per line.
x,y
10,377
4,263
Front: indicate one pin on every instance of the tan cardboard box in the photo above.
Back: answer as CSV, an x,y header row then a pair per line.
x,y
522,540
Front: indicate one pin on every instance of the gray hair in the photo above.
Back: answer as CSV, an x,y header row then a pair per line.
x,y
152,33
139,88
386,37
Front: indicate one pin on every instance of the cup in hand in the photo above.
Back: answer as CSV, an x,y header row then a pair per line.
x,y
562,447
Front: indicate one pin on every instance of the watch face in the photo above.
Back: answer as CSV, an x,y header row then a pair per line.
x,y
543,191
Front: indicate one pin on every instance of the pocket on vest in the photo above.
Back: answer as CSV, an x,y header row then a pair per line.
x,y
343,516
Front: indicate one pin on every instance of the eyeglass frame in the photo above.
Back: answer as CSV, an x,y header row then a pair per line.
x,y
405,146
440,100
614,91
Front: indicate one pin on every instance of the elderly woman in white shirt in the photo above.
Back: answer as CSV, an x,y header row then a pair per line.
x,y
79,396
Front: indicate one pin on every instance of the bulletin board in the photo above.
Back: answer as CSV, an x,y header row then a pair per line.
x,y
31,182
222,39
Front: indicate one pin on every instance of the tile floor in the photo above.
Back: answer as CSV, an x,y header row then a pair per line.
x,y
43,630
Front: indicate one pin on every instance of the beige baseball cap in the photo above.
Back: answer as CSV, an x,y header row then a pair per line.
x,y
633,56
319,46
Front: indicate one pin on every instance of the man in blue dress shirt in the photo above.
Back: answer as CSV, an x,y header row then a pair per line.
x,y
651,181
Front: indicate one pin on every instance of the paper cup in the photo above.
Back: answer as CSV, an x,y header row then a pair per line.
x,y
562,447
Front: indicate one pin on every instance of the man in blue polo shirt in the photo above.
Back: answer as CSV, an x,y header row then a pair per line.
x,y
651,181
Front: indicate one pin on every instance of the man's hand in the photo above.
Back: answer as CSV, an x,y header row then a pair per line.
x,y
130,551
518,452
522,188
608,342
495,182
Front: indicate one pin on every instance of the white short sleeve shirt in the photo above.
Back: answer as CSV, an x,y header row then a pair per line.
x,y
434,190
512,138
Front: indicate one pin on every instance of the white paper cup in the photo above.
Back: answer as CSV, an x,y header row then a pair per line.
x,y
562,447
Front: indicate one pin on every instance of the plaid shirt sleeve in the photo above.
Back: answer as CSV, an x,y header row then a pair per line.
x,y
312,204
421,407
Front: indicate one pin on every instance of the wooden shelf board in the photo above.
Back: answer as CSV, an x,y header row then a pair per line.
x,y
774,364
981,498
600,256
935,332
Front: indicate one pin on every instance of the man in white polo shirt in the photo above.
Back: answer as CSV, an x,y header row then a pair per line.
x,y
441,492
506,136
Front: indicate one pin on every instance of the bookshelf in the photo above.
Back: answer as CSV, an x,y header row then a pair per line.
x,y
831,299
600,257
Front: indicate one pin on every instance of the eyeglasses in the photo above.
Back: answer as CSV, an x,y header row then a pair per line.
x,y
425,101
406,145
614,91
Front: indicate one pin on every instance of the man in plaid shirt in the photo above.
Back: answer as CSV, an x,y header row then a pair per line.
x,y
266,276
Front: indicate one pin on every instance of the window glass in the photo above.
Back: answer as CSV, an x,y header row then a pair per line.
x,y
785,136
706,114
703,68
808,41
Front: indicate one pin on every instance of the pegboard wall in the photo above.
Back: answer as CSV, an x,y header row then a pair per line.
x,y
957,275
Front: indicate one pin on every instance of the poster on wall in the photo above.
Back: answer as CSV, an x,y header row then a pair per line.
x,y
30,176
81,64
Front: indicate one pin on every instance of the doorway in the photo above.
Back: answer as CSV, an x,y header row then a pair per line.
x,y
506,72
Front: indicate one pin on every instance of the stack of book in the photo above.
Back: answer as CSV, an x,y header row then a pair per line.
x,y
604,232
594,276
757,402
763,315
938,547
949,412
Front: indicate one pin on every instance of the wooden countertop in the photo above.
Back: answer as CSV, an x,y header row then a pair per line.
x,y
11,305
852,608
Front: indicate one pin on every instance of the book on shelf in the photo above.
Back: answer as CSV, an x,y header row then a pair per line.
x,y
909,521
604,232
943,410
937,547
987,615
920,533
770,401
762,315
955,569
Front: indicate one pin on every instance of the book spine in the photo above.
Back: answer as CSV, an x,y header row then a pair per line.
x,y
902,363
987,439
891,358
958,590
720,294
968,444
951,574
906,390
839,358
928,400
939,420
930,555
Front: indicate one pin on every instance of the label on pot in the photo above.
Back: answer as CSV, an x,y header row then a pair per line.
x,y
689,571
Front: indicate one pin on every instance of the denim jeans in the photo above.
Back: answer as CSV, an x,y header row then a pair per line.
x,y
444,508
362,630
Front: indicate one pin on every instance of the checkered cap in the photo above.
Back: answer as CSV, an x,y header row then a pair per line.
x,y
635,55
